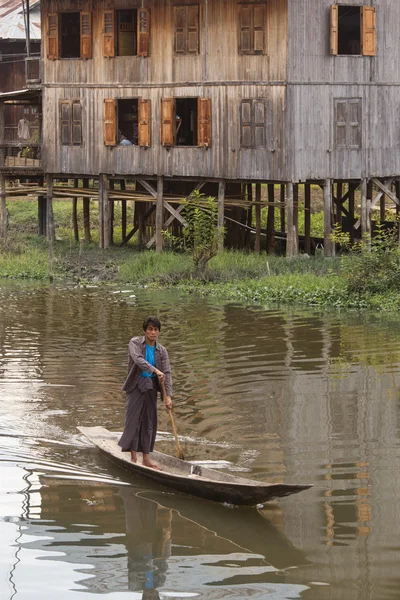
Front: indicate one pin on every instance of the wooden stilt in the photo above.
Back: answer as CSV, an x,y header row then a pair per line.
x,y
292,242
86,214
397,191
221,213
352,217
296,217
111,209
75,213
282,209
370,190
3,207
382,207
257,245
159,213
104,241
49,209
364,229
249,192
339,196
123,210
307,218
329,246
271,219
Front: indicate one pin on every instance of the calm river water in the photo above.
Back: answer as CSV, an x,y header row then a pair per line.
x,y
274,395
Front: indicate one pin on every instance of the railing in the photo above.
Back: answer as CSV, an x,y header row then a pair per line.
x,y
33,70
20,155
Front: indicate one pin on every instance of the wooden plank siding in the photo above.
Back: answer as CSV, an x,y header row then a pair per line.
x,y
218,72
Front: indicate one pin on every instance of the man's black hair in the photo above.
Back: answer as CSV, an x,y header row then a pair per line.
x,y
151,321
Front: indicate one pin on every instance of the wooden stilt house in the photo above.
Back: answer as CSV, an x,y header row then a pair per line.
x,y
226,94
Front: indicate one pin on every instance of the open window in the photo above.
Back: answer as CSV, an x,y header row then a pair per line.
x,y
353,30
69,35
127,122
186,122
126,32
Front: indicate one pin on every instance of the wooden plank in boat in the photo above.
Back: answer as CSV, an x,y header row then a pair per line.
x,y
193,479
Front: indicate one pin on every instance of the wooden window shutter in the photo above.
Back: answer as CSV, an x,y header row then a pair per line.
x,y
340,123
192,29
259,29
354,123
259,123
86,35
65,122
246,137
76,123
204,122
144,122
110,122
108,34
368,31
167,121
180,28
143,32
246,14
334,29
52,36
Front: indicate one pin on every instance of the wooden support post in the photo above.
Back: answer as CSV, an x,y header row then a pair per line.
x,y
282,209
257,245
111,215
292,242
42,215
364,219
75,213
104,240
351,211
271,219
382,207
296,216
123,210
3,207
307,218
159,213
221,213
329,246
249,193
86,214
49,209
397,192
339,196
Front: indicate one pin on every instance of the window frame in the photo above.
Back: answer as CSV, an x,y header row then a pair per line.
x,y
253,29
54,46
368,33
188,30
253,124
348,124
71,124
168,122
110,33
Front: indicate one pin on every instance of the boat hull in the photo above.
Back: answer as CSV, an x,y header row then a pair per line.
x,y
187,477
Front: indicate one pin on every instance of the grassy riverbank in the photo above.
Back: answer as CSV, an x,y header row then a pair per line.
x,y
235,276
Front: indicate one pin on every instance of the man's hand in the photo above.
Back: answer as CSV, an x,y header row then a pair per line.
x,y
168,403
160,375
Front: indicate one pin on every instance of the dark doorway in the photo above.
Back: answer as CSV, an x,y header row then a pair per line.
x,y
70,30
186,121
128,120
349,30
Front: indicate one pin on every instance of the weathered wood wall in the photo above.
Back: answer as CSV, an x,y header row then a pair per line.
x,y
316,78
219,72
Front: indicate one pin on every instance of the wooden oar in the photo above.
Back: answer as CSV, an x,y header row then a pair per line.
x,y
171,416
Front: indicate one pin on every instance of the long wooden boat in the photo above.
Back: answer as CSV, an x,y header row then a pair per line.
x,y
191,478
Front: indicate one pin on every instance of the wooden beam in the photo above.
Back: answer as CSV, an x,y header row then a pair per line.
x,y
364,220
221,212
329,246
75,213
271,219
86,214
159,213
292,242
123,210
49,209
338,202
3,207
137,227
386,190
282,209
307,218
257,245
175,214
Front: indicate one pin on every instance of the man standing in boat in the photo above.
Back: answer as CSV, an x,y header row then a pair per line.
x,y
148,366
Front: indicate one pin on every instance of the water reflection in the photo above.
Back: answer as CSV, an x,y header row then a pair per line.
x,y
281,395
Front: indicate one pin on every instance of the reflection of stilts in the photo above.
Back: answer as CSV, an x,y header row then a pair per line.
x,y
150,595
24,517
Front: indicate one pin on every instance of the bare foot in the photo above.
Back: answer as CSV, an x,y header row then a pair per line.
x,y
151,465
133,457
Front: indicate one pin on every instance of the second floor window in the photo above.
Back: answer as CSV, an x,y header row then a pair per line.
x,y
186,122
253,123
186,29
347,123
353,30
69,35
71,122
126,32
252,29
